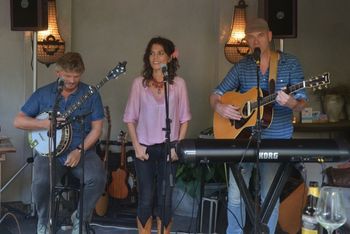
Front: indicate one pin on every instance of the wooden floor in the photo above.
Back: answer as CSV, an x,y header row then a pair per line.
x,y
27,226
15,219
116,223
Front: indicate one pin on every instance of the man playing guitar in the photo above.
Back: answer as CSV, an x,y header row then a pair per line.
x,y
243,77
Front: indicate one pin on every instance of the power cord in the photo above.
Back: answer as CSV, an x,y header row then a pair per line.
x,y
14,217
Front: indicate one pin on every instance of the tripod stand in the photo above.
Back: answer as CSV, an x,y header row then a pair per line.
x,y
28,161
6,147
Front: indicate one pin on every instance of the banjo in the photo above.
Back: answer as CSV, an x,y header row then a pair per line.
x,y
39,139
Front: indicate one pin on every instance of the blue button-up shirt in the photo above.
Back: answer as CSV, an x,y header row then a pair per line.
x,y
43,99
242,77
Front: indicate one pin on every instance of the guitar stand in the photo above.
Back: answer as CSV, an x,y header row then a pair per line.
x,y
272,196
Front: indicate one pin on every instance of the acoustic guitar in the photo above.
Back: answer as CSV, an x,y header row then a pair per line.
x,y
247,102
102,203
118,188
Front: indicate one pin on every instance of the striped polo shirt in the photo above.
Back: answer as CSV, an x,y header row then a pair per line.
x,y
242,77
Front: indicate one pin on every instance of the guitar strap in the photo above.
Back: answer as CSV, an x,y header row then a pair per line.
x,y
273,71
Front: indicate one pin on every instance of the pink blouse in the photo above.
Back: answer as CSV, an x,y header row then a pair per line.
x,y
148,112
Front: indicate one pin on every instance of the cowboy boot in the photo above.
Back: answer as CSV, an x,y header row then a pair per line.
x,y
166,230
144,229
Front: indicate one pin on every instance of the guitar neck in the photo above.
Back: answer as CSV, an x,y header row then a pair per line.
x,y
113,74
107,149
272,97
122,156
82,100
108,118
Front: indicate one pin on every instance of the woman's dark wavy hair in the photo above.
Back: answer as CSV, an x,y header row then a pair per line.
x,y
169,48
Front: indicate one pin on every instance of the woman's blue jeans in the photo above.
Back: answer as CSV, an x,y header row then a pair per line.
x,y
151,175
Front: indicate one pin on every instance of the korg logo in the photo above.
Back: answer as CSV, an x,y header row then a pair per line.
x,y
268,155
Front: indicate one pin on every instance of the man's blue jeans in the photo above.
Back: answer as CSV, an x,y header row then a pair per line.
x,y
236,208
94,180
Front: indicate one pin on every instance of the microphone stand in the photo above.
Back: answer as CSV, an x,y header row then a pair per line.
x,y
257,228
52,152
167,146
81,120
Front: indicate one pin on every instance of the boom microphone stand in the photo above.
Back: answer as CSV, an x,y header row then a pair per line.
x,y
167,161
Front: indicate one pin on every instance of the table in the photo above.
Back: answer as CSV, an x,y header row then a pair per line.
x,y
5,147
342,127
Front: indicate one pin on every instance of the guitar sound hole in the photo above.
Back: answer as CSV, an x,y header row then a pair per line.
x,y
232,122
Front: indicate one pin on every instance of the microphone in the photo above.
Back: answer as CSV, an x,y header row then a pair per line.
x,y
164,70
60,84
256,55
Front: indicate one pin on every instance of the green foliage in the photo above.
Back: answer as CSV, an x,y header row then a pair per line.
x,y
188,176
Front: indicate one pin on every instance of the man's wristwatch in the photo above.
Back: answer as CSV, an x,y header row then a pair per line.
x,y
79,148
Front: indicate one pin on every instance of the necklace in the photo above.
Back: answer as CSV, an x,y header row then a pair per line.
x,y
158,85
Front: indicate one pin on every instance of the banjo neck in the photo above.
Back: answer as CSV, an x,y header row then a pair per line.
x,y
38,139
82,99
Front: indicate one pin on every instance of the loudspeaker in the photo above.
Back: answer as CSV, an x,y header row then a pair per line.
x,y
281,16
29,15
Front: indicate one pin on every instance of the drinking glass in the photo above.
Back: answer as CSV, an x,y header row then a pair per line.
x,y
330,211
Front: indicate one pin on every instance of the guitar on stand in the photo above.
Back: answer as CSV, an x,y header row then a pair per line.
x,y
118,188
102,203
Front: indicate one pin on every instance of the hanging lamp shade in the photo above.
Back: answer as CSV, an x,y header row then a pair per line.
x,y
50,43
236,47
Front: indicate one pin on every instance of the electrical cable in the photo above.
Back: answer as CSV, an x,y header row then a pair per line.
x,y
14,217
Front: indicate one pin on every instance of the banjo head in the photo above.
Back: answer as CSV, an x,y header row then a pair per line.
x,y
39,139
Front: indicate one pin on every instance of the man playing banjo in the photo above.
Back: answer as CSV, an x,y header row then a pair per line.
x,y
69,69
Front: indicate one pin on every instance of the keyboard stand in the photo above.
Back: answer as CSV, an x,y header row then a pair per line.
x,y
272,196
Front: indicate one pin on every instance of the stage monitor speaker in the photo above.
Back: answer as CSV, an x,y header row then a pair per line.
x,y
29,15
282,17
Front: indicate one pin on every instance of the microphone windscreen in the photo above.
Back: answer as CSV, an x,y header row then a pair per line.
x,y
60,84
60,81
164,67
257,51
256,55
